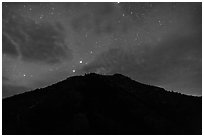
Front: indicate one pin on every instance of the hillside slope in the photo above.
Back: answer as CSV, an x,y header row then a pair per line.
x,y
101,104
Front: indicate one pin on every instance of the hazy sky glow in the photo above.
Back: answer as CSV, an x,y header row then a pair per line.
x,y
154,43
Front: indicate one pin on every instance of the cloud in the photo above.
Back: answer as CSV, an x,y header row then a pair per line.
x,y
33,42
177,58
100,18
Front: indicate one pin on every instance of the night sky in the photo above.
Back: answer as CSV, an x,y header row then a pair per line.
x,y
153,43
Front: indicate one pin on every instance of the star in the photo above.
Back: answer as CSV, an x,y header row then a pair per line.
x,y
41,16
159,21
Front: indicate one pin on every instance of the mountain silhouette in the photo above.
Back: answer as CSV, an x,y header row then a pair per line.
x,y
101,105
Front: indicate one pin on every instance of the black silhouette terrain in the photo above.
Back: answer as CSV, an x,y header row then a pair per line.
x,y
102,104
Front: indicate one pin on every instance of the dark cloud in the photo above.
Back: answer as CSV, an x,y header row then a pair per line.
x,y
43,42
10,47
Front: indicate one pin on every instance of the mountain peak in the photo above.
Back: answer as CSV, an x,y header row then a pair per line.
x,y
101,104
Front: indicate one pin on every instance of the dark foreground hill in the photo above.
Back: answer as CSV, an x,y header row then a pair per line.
x,y
96,104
